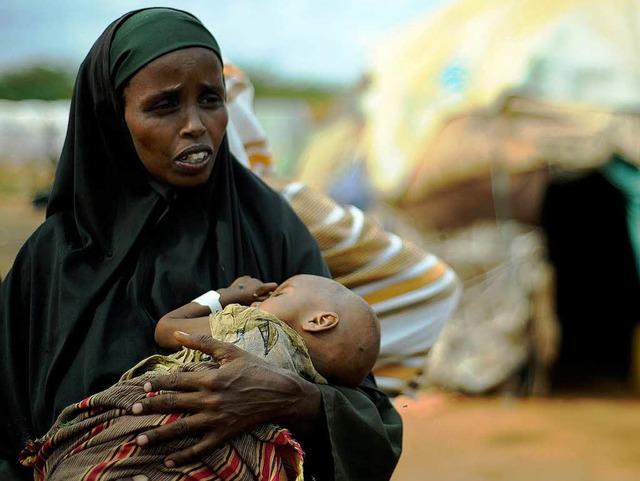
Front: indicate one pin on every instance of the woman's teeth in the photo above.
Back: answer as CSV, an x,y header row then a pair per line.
x,y
194,158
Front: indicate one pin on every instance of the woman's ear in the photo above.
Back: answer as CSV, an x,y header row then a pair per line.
x,y
321,321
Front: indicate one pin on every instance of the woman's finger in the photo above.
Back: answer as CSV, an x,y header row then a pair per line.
x,y
180,428
222,352
182,381
173,402
139,477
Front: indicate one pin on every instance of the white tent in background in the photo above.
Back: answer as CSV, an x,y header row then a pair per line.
x,y
32,130
468,54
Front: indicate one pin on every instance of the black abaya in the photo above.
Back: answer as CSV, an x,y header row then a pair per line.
x,y
118,250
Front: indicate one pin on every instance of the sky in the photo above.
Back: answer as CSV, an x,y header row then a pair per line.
x,y
327,41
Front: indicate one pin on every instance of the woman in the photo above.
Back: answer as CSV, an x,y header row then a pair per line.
x,y
149,210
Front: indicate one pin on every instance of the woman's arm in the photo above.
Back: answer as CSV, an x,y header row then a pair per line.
x,y
364,433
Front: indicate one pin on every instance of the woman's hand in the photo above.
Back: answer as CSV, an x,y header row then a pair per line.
x,y
245,290
242,394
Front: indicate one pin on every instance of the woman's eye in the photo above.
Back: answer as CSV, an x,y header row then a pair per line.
x,y
211,99
164,104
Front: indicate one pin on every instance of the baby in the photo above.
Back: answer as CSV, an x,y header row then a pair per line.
x,y
339,329
309,324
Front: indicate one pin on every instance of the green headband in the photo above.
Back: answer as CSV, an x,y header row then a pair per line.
x,y
152,33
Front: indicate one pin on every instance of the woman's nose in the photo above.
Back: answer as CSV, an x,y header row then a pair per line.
x,y
193,126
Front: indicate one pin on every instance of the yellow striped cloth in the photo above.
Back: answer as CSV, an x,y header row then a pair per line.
x,y
247,139
412,291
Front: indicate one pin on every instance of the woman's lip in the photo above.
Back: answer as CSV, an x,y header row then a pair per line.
x,y
194,149
193,167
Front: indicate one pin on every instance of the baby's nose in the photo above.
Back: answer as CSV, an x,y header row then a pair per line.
x,y
256,304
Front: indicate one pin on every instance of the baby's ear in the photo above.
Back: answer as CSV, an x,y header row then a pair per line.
x,y
321,321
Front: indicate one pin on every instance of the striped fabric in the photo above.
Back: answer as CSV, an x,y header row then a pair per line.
x,y
412,291
95,439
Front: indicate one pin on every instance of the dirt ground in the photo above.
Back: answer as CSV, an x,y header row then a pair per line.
x,y
449,437
18,219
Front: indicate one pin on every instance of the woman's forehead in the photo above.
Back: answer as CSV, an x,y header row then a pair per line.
x,y
176,65
187,58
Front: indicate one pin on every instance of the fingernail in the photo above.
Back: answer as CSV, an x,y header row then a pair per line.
x,y
142,440
182,333
137,408
147,387
169,463
140,477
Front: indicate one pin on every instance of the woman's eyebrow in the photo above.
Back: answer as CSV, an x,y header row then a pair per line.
x,y
168,91
159,95
217,88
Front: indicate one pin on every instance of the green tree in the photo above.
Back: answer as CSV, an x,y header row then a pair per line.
x,y
44,83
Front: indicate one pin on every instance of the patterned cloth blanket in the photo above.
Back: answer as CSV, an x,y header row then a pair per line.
x,y
95,439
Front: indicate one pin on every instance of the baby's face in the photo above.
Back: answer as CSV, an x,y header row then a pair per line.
x,y
289,301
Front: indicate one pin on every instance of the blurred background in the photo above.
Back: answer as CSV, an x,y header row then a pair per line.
x,y
501,135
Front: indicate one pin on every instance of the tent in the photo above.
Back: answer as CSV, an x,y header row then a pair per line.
x,y
472,54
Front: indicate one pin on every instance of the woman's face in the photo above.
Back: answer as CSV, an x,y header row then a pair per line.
x,y
176,113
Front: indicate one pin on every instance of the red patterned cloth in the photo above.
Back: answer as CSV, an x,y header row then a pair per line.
x,y
95,440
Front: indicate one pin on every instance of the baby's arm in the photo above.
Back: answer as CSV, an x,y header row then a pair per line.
x,y
193,318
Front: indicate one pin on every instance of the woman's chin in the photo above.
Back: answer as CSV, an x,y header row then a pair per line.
x,y
189,177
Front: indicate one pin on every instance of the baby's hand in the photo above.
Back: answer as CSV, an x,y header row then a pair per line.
x,y
245,290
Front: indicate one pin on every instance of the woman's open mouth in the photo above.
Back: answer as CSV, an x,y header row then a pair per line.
x,y
194,159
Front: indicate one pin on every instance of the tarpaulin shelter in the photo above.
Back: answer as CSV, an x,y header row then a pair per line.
x,y
465,113
467,55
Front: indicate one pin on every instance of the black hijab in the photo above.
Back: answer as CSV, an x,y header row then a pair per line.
x,y
119,249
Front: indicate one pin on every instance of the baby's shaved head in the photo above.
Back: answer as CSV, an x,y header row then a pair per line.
x,y
344,355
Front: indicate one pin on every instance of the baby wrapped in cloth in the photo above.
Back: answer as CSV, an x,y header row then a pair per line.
x,y
95,439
